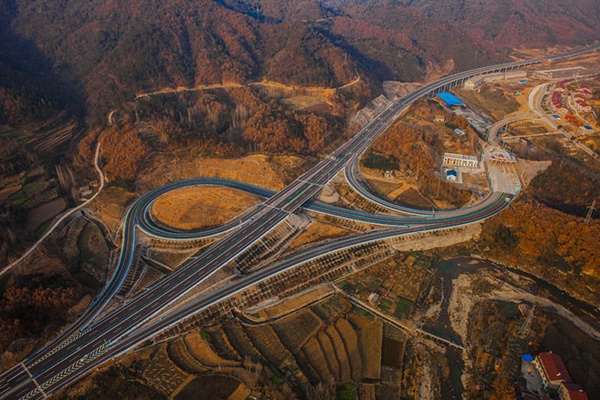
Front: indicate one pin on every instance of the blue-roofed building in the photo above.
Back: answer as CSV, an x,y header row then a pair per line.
x,y
527,358
451,175
450,99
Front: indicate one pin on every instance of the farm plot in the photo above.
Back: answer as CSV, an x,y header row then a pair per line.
x,y
240,341
219,341
369,344
340,353
331,308
296,329
350,340
329,354
162,373
201,350
179,354
314,354
267,343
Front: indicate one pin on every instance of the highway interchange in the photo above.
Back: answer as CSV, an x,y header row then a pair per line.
x,y
92,341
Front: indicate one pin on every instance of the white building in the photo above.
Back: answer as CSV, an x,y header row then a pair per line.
x,y
460,160
567,73
494,77
474,83
516,74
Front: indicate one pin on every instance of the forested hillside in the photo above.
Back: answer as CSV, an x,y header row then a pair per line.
x,y
109,50
112,50
506,23
517,23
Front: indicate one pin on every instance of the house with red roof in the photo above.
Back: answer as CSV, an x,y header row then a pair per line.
x,y
571,391
551,369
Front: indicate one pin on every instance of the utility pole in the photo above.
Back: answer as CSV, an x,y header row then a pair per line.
x,y
591,210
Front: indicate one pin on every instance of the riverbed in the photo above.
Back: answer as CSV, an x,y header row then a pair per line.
x,y
452,387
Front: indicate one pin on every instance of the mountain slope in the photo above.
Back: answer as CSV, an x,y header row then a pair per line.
x,y
508,23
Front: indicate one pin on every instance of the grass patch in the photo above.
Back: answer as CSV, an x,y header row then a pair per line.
x,y
8,134
423,262
374,285
18,202
87,280
211,387
347,392
36,172
403,309
364,313
34,187
113,384
43,227
330,309
20,195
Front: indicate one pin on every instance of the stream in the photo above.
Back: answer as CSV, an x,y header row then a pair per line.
x,y
451,387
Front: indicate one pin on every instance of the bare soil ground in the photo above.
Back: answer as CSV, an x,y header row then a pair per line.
x,y
318,231
306,101
529,169
527,53
528,128
201,207
294,303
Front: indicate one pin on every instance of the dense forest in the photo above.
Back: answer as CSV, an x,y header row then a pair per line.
x,y
567,188
29,304
106,52
548,243
506,23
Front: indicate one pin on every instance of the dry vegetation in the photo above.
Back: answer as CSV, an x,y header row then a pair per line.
x,y
491,100
317,232
201,207
110,205
550,244
272,172
296,329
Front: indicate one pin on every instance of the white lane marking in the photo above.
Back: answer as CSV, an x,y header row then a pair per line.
x,y
39,387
